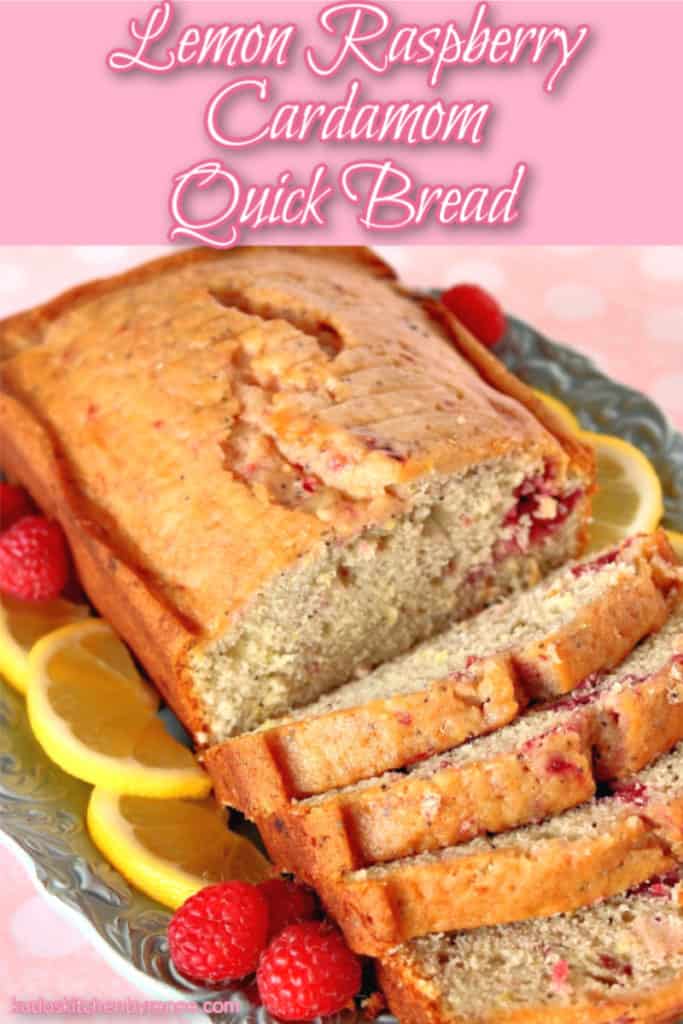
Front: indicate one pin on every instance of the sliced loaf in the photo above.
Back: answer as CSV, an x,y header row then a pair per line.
x,y
583,619
584,855
546,762
618,962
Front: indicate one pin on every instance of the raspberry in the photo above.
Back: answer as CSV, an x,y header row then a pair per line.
x,y
585,693
596,564
14,504
288,903
610,963
219,933
632,793
34,565
560,974
478,311
558,765
308,971
660,886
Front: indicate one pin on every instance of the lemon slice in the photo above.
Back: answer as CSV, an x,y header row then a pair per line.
x,y
629,497
96,718
561,410
171,848
676,541
22,624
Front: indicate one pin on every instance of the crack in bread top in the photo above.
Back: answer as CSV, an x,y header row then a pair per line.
x,y
298,389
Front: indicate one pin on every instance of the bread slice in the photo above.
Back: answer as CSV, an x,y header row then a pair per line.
x,y
617,962
583,619
584,855
274,468
527,771
544,763
642,716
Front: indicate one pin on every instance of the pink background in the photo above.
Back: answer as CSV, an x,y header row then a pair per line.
x,y
89,155
622,306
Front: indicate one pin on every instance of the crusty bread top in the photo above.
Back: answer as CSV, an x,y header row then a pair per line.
x,y
233,410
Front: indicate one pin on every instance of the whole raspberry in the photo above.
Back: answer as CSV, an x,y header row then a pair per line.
x,y
14,503
34,564
307,971
477,310
219,933
288,903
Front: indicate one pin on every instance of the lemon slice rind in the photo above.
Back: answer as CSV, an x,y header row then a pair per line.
x,y
14,665
119,773
676,541
638,481
562,411
154,875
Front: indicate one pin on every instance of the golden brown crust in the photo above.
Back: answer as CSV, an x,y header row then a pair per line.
x,y
635,724
414,999
407,815
627,728
26,329
581,454
284,848
495,886
259,773
153,386
120,593
411,997
612,736
602,633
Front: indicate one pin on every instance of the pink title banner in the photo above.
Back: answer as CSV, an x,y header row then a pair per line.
x,y
225,123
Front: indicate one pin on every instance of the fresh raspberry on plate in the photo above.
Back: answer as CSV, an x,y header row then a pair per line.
x,y
288,903
308,971
219,933
14,504
34,563
477,310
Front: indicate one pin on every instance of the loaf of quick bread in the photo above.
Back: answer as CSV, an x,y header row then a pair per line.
x,y
275,470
